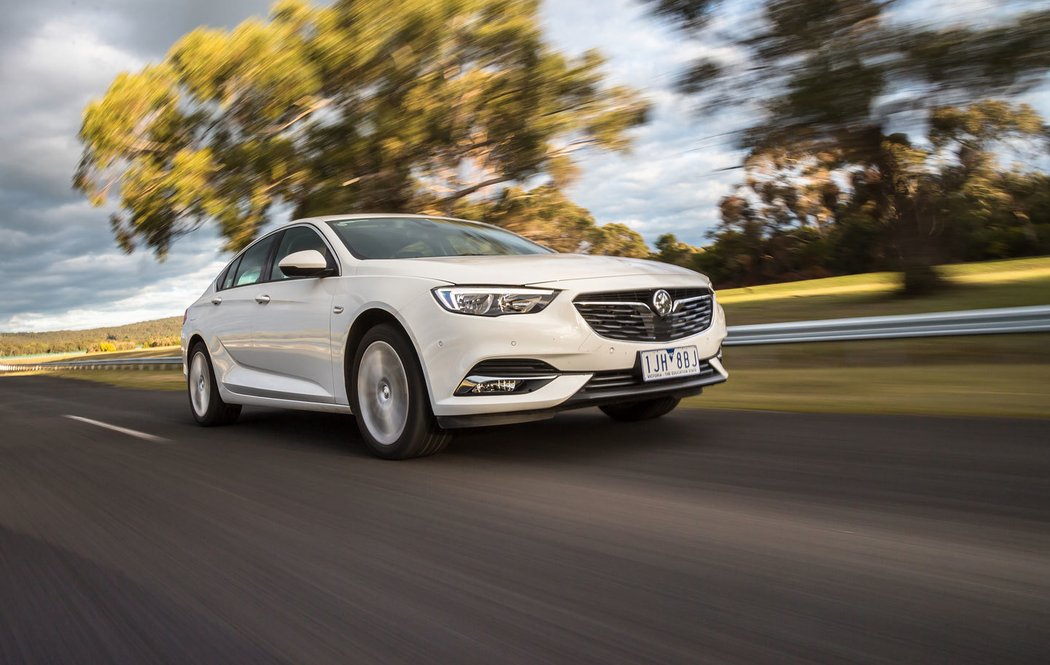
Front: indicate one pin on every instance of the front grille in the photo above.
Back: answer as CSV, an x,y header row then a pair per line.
x,y
628,315
618,379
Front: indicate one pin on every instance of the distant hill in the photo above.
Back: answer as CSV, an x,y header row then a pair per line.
x,y
161,332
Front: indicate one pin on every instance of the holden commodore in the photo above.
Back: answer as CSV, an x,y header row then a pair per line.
x,y
420,325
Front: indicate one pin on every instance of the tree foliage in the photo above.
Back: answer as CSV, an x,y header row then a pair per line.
x,y
800,215
543,214
363,105
616,239
546,215
838,78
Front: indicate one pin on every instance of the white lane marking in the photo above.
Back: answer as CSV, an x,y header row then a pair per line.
x,y
122,430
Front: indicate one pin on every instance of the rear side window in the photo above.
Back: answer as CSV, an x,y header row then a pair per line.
x,y
298,239
253,263
227,276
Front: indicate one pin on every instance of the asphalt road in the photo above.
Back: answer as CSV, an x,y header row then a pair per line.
x,y
714,537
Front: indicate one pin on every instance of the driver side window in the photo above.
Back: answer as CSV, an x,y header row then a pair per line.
x,y
298,239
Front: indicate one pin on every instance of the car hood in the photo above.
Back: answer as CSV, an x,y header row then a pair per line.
x,y
533,269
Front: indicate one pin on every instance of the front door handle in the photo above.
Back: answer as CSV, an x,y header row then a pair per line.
x,y
262,300
216,300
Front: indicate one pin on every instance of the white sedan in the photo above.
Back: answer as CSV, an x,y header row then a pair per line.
x,y
419,325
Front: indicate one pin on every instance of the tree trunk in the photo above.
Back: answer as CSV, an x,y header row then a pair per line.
x,y
914,236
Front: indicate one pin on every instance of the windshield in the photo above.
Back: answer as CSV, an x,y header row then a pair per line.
x,y
423,237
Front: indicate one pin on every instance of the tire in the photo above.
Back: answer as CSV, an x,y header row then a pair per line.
x,y
206,405
644,410
389,397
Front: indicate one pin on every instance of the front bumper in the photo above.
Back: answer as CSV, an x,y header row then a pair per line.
x,y
455,343
607,387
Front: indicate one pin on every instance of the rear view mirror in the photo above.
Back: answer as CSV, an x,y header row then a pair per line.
x,y
307,263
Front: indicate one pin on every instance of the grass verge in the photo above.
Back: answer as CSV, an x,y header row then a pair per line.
x,y
1009,390
1014,283
985,375
161,379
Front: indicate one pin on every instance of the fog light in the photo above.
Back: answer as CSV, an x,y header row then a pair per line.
x,y
493,385
479,384
497,386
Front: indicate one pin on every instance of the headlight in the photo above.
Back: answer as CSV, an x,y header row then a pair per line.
x,y
492,300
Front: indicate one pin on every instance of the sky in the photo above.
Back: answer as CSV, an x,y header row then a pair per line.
x,y
59,265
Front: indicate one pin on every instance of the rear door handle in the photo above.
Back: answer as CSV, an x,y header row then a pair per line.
x,y
216,300
262,300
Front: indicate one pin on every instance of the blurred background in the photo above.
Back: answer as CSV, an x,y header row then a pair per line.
x,y
817,160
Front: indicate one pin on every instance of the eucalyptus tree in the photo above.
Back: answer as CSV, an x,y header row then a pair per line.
x,y
364,105
981,192
853,77
544,214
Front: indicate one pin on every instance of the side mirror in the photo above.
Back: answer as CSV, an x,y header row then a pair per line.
x,y
307,263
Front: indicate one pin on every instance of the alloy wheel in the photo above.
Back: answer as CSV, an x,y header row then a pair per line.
x,y
382,389
200,384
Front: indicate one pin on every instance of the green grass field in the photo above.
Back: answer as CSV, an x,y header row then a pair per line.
x,y
129,378
1020,391
1013,283
983,375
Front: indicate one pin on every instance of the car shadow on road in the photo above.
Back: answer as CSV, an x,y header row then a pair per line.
x,y
582,434
324,432
579,434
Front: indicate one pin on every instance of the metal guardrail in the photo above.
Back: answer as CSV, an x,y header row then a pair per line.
x,y
943,324
167,362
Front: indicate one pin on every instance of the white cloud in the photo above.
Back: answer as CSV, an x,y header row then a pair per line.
x,y
58,261
166,297
670,181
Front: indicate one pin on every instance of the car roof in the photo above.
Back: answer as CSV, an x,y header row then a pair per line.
x,y
378,215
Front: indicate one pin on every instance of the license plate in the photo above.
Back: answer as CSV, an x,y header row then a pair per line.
x,y
670,363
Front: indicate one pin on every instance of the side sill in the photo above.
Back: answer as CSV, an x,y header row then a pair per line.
x,y
294,405
249,391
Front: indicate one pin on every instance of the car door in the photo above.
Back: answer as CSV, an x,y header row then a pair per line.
x,y
291,335
234,306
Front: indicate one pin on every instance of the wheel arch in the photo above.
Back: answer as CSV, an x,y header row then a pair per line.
x,y
193,340
365,321
190,343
